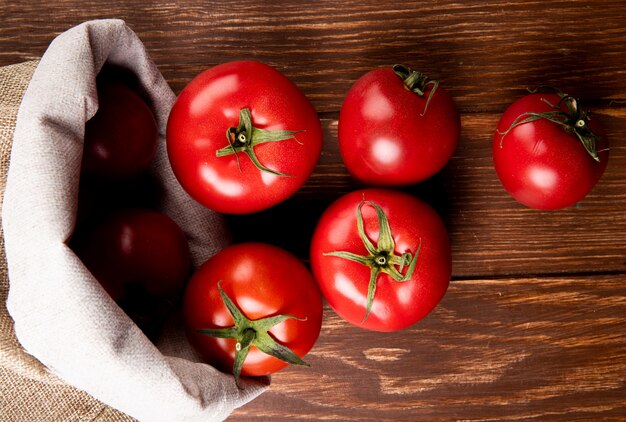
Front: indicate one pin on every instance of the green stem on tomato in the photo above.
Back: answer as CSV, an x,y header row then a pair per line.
x,y
244,137
380,258
575,121
250,333
416,82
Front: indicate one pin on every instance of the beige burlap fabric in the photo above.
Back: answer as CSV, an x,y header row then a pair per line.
x,y
67,351
28,391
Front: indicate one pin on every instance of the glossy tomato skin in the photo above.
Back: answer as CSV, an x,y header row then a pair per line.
x,y
539,163
385,140
262,280
344,283
121,138
136,249
209,105
141,258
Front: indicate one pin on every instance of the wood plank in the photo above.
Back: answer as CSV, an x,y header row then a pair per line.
x,y
491,233
483,52
505,349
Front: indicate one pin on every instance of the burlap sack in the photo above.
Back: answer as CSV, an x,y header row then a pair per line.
x,y
67,351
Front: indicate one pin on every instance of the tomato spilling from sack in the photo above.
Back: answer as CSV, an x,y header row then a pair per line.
x,y
252,309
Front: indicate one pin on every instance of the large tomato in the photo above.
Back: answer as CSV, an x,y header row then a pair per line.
x,y
252,309
397,127
242,137
547,152
382,258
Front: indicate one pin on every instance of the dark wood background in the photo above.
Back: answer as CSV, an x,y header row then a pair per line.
x,y
534,323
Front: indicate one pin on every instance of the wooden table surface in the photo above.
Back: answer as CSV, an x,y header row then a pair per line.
x,y
534,323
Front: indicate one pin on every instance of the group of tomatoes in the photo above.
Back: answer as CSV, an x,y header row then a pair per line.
x,y
139,255
242,138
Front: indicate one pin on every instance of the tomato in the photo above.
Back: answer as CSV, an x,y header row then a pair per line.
x,y
241,137
121,138
382,258
271,292
397,127
141,258
539,151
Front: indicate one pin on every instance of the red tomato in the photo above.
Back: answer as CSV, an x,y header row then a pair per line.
x,y
141,258
262,281
407,262
397,128
542,162
121,138
241,137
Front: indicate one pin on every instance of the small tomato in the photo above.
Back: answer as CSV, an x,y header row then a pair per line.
x,y
548,152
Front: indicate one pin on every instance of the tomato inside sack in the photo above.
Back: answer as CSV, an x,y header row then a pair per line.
x,y
210,105
262,281
391,136
121,138
415,228
542,164
136,252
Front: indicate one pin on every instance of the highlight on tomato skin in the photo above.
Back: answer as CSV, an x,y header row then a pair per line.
x,y
397,127
250,303
382,258
241,137
548,152
141,258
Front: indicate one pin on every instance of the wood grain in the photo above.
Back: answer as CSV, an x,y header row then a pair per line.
x,y
484,52
533,325
506,349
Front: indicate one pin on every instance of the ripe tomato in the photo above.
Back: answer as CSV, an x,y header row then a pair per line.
x,y
241,137
121,138
271,292
382,258
141,258
539,152
397,127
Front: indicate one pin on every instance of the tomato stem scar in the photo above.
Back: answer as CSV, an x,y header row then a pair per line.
x,y
252,333
575,120
244,137
417,82
382,257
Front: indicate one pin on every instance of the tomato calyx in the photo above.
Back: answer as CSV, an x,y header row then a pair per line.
x,y
244,137
382,257
575,120
416,82
252,333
